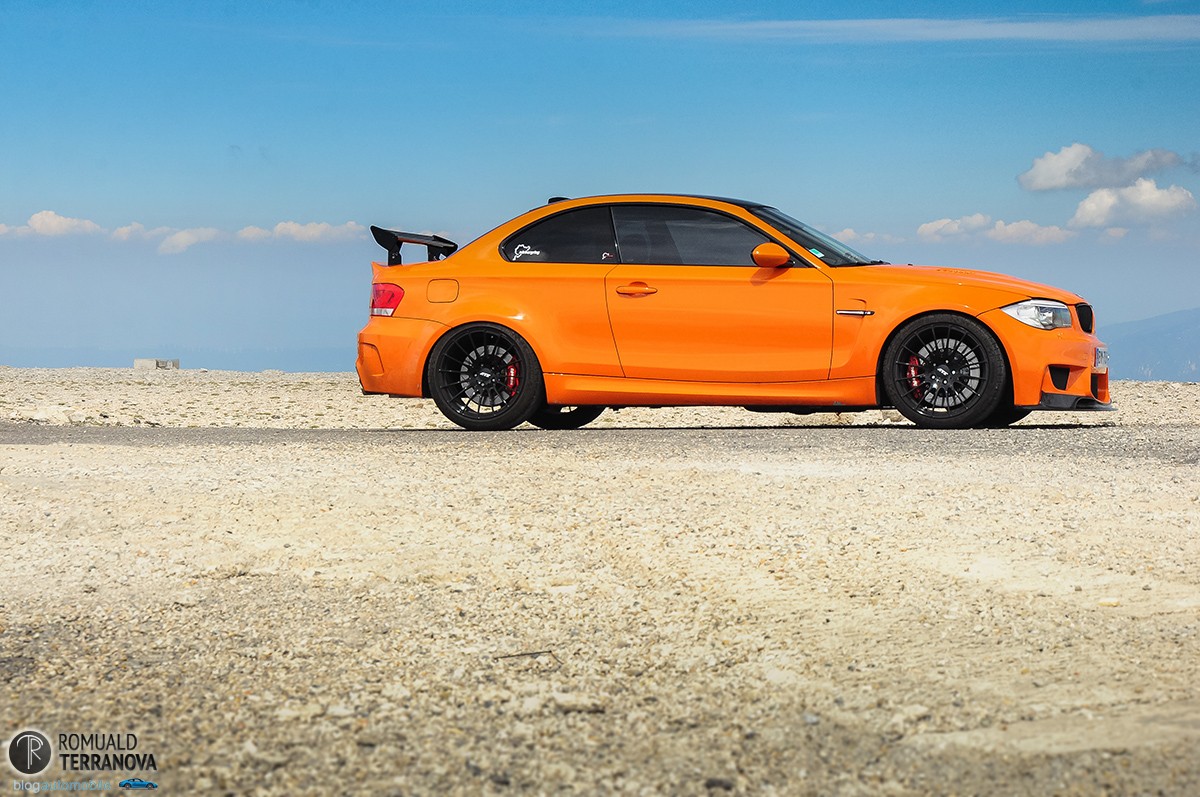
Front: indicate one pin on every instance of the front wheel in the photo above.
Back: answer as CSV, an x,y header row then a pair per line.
x,y
945,371
1005,415
558,417
485,377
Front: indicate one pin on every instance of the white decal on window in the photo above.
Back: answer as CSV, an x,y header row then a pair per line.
x,y
817,252
520,250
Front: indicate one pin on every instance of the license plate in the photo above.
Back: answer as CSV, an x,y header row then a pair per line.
x,y
1101,360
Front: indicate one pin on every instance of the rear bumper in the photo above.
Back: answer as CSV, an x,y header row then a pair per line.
x,y
392,353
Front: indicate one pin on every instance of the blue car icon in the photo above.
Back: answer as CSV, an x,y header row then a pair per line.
x,y
137,783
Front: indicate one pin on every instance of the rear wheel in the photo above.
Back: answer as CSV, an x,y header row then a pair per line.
x,y
558,417
485,377
945,371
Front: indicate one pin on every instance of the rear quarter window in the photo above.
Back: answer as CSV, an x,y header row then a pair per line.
x,y
574,236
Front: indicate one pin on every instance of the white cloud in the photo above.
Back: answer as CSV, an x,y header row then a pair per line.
x,y
849,235
49,223
1165,27
179,241
253,234
1142,201
948,228
138,231
322,231
1017,232
1027,232
1080,166
312,232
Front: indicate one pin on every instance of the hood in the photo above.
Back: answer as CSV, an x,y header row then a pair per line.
x,y
980,279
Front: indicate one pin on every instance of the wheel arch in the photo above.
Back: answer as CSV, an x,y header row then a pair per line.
x,y
881,394
500,321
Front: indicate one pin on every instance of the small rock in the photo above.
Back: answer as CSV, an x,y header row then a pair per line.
x,y
530,705
396,691
719,783
186,600
906,716
560,771
305,712
569,703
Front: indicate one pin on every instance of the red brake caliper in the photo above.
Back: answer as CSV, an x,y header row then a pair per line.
x,y
914,376
511,380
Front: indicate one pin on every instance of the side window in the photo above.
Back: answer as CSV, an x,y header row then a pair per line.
x,y
574,236
669,234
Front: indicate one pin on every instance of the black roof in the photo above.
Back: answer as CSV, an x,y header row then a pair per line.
x,y
745,203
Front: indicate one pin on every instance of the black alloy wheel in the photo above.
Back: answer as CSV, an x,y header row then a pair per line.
x,y
555,416
485,377
945,371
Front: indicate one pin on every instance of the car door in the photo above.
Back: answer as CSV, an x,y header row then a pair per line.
x,y
688,303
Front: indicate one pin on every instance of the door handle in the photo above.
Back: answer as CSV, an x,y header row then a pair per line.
x,y
636,289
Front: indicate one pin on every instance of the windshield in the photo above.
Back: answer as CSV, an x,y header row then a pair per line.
x,y
832,252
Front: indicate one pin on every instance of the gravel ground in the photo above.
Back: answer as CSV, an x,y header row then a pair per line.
x,y
317,592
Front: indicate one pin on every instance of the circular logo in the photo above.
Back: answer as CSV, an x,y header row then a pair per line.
x,y
29,752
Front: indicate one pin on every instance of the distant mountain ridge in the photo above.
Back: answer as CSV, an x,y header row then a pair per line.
x,y
1164,348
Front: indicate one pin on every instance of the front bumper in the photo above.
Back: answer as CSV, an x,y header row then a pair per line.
x,y
1061,369
1058,401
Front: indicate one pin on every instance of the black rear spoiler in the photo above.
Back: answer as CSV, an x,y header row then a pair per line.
x,y
390,240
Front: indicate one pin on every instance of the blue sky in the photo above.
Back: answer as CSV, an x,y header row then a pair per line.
x,y
196,179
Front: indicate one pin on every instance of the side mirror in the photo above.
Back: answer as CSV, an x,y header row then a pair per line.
x,y
770,255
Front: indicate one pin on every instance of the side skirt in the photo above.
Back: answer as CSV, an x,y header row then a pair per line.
x,y
615,391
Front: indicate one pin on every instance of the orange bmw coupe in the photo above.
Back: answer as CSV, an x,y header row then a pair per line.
x,y
665,300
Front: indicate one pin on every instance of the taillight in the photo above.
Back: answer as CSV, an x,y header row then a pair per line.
x,y
385,298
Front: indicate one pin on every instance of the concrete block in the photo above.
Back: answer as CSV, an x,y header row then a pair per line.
x,y
146,364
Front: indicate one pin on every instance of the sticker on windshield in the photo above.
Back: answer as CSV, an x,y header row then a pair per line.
x,y
817,252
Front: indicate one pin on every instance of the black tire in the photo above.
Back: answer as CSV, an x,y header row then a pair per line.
x,y
1005,415
945,371
555,416
485,377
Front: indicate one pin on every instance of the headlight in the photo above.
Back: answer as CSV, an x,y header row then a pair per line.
x,y
1041,313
